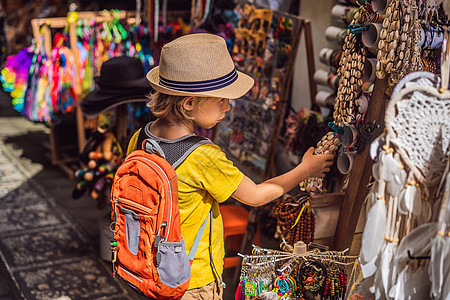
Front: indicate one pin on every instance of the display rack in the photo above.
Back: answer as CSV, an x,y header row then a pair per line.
x,y
257,116
62,156
57,154
300,26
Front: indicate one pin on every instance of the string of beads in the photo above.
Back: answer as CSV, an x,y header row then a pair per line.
x,y
295,219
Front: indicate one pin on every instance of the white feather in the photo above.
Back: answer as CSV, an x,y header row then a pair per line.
x,y
376,170
396,185
417,242
436,267
374,147
385,266
397,290
392,165
373,235
378,289
388,161
401,202
410,194
369,268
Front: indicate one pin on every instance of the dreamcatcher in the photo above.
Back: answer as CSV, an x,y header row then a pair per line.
x,y
406,243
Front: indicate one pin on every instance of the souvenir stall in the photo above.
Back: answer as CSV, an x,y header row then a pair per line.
x,y
48,79
116,107
403,252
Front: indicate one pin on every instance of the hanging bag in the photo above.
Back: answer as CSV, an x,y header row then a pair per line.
x,y
149,252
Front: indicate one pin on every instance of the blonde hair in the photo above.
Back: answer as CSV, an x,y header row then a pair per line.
x,y
171,107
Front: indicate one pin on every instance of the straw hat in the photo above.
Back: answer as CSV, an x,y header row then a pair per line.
x,y
122,80
198,65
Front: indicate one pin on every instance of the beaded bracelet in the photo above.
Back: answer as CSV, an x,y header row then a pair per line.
x,y
284,286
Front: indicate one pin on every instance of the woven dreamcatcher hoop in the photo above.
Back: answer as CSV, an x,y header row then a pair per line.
x,y
418,124
417,120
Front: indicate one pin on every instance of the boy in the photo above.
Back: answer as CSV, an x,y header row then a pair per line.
x,y
194,82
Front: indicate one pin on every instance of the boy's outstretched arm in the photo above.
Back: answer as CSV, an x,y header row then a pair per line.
x,y
254,194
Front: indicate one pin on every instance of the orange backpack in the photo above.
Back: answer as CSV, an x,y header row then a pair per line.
x,y
149,252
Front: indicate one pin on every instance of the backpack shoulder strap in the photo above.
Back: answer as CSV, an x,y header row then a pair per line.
x,y
174,151
198,237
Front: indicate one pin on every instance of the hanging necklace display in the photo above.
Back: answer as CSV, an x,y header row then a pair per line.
x,y
411,158
329,143
350,104
351,71
295,219
311,276
399,45
274,274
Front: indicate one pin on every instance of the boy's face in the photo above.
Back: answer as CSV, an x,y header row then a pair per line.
x,y
207,114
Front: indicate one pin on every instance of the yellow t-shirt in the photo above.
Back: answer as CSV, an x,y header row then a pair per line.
x,y
206,178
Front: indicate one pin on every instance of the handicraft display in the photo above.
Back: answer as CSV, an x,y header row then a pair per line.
x,y
402,42
399,41
271,274
263,48
44,85
408,216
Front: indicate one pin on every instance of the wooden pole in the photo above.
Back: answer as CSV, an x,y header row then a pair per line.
x,y
311,65
360,174
79,115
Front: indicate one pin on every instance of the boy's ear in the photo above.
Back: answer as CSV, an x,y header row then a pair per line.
x,y
188,103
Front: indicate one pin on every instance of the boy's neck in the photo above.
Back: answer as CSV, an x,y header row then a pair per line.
x,y
170,130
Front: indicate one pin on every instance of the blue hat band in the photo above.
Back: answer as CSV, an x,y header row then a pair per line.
x,y
200,86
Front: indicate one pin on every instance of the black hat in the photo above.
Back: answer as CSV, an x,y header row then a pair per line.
x,y
122,80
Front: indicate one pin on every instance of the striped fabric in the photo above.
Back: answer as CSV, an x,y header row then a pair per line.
x,y
200,86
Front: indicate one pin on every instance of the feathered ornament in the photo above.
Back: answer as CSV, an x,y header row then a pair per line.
x,y
407,167
373,235
439,267
416,243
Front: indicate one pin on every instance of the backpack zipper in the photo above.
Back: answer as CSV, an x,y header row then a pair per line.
x,y
134,205
132,275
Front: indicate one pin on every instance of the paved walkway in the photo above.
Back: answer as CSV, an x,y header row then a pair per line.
x,y
49,243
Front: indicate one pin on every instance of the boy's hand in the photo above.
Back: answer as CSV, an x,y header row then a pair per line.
x,y
317,164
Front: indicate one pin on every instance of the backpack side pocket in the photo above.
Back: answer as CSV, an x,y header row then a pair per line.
x,y
174,268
